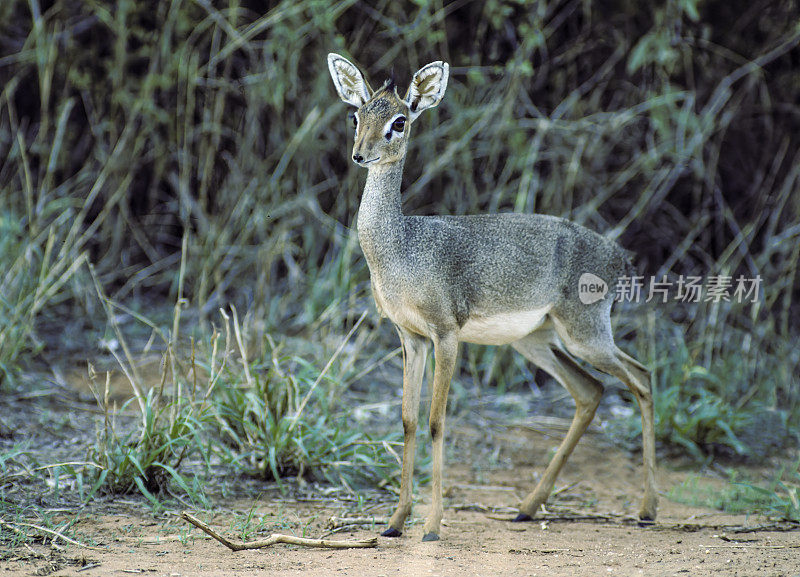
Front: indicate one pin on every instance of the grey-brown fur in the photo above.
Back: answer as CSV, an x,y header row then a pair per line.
x,y
493,279
485,273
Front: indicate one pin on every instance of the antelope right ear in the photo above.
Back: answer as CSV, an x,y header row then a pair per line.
x,y
353,89
427,87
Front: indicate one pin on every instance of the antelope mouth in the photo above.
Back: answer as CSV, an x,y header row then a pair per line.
x,y
368,162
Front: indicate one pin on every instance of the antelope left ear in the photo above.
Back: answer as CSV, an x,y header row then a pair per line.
x,y
427,87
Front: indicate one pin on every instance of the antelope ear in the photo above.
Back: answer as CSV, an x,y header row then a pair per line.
x,y
427,87
350,83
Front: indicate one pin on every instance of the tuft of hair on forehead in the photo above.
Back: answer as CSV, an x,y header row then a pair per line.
x,y
383,99
389,85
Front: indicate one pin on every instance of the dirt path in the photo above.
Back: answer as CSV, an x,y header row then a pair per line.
x,y
601,481
473,546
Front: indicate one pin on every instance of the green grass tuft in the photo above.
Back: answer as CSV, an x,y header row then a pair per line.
x,y
779,498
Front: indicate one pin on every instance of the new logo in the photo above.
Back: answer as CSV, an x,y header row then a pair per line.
x,y
591,288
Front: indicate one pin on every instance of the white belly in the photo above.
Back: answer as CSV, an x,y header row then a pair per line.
x,y
502,328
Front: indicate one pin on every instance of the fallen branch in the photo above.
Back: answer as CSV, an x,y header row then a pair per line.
x,y
337,522
481,508
564,514
468,487
278,538
570,515
778,526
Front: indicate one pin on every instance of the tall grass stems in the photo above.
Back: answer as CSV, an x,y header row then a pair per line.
x,y
194,153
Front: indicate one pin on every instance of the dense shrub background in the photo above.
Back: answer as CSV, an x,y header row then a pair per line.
x,y
127,128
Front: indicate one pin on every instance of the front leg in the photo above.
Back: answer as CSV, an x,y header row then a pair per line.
x,y
415,351
445,350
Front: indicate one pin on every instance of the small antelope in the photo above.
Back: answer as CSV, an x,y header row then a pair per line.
x,y
490,279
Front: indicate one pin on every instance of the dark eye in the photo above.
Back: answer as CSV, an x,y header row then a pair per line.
x,y
399,125
353,119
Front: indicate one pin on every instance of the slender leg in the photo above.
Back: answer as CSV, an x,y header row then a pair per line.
x,y
637,378
596,346
445,348
585,389
415,351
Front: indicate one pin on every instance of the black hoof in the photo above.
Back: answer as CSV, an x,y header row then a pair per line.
x,y
430,537
646,522
522,518
391,532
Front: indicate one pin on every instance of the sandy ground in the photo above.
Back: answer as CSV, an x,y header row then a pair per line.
x,y
599,480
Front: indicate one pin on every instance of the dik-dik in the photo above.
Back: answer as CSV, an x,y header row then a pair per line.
x,y
490,279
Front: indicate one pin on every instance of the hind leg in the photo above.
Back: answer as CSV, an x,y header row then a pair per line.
x,y
637,378
542,350
594,343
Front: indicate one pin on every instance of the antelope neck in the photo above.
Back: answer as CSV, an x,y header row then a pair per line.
x,y
380,217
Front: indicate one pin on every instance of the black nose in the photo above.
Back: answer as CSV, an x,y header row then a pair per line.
x,y
358,157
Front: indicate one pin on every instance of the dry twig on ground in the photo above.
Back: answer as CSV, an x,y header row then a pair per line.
x,y
337,522
278,538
